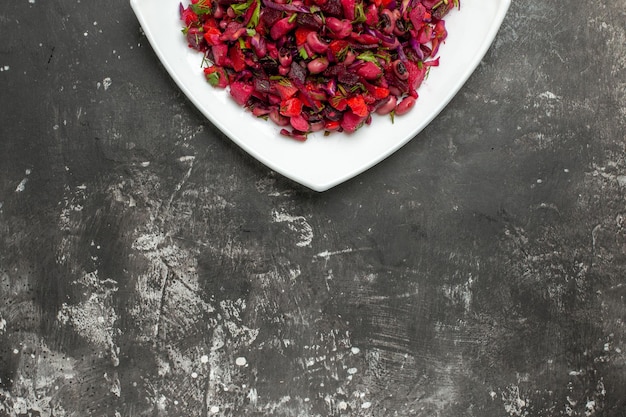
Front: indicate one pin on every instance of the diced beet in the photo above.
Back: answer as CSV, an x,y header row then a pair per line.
x,y
369,71
348,7
195,39
273,99
425,35
442,10
332,8
416,15
262,85
348,78
269,66
220,54
188,16
297,73
237,58
212,36
291,107
285,90
416,74
371,15
233,31
309,20
241,92
358,106
351,121
269,17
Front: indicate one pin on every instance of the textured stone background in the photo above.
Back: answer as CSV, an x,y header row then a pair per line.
x,y
148,267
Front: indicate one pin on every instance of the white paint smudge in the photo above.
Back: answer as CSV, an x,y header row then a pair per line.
x,y
149,243
549,95
116,386
514,405
106,83
461,294
72,203
36,375
253,396
296,224
327,254
161,402
22,185
4,68
169,292
241,361
3,325
94,318
605,173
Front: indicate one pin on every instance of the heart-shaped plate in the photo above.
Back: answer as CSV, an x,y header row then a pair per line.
x,y
322,162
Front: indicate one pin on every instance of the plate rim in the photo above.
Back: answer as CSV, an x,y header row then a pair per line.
x,y
324,184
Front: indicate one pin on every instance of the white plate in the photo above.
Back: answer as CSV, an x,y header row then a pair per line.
x,y
323,162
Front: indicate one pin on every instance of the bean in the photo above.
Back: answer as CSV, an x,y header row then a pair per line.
x,y
389,105
405,105
315,43
400,70
317,65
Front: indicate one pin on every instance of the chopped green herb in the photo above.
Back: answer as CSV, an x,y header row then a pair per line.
x,y
202,7
240,8
213,78
303,54
368,56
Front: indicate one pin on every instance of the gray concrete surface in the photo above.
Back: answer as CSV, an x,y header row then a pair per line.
x,y
149,267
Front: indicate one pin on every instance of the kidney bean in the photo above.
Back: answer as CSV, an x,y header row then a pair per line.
x,y
405,105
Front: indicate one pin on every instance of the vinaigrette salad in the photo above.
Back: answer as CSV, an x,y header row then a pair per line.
x,y
318,65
